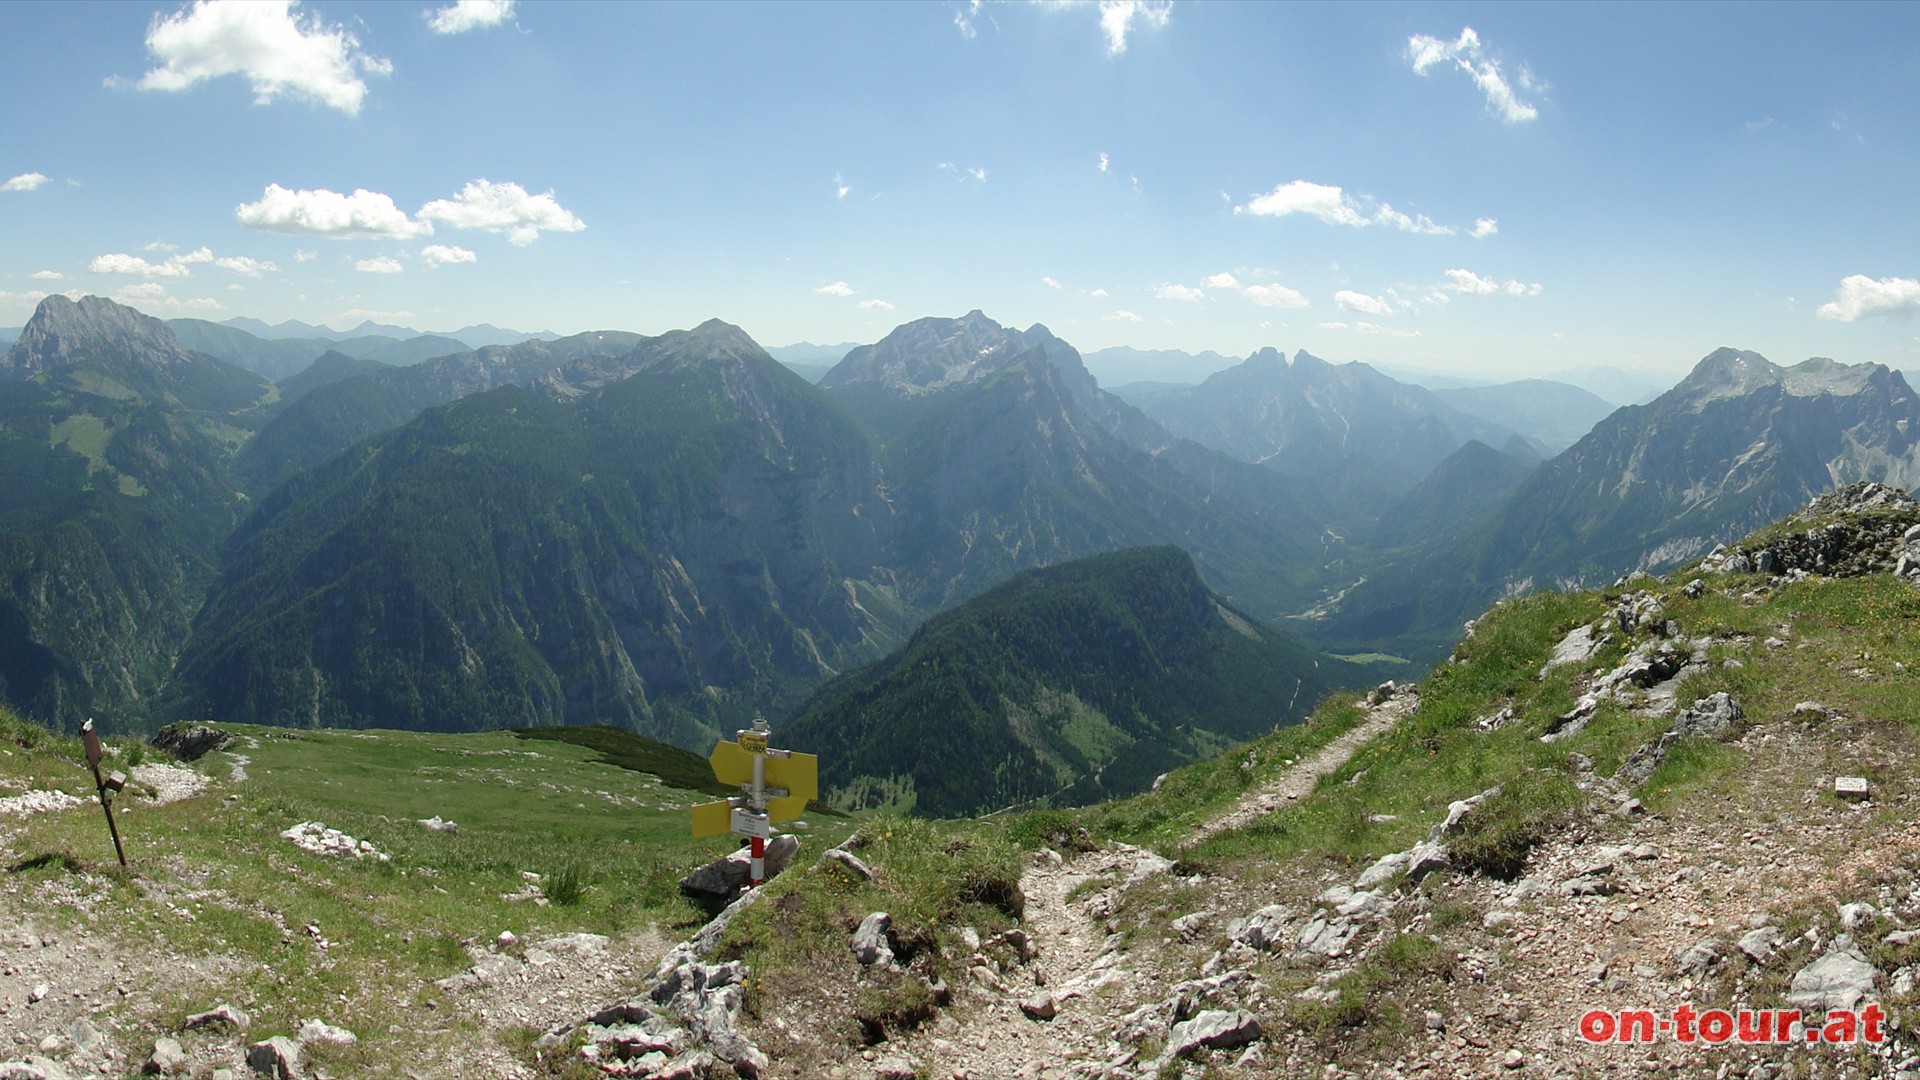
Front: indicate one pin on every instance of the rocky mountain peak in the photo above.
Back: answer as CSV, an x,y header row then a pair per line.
x,y
1729,373
65,331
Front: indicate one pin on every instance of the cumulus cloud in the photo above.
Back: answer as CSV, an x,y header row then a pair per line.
x,y
305,256
503,208
241,264
876,305
175,266
1862,297
264,41
1222,280
1186,293
1387,331
1118,18
1103,161
146,290
1123,316
1049,283
1098,294
1484,227
963,18
444,255
25,182
1466,281
328,213
48,275
1335,207
379,264
841,188
838,288
1465,53
1331,325
1361,303
1274,296
464,15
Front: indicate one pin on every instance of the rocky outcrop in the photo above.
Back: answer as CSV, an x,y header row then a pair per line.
x,y
1863,528
189,741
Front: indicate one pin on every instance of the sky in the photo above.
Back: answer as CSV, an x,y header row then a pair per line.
x,y
1490,190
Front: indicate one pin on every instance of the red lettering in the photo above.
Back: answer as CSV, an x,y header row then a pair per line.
x,y
1597,1026
1871,1016
1636,1025
1683,1023
1716,1025
1842,1027
1751,1034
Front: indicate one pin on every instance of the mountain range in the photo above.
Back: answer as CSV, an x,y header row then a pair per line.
x,y
672,533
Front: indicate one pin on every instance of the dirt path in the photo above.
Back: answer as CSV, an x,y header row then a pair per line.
x,y
1297,782
1089,975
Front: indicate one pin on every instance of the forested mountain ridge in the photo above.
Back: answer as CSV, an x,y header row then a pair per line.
x,y
1074,682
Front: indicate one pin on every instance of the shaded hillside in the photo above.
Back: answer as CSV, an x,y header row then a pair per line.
x,y
333,417
1737,443
1353,437
1553,414
670,553
1073,683
114,442
1005,454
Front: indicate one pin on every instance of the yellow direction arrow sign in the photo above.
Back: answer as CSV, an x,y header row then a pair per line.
x,y
800,775
712,819
732,764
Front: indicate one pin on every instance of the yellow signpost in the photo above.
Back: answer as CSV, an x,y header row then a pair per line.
x,y
775,786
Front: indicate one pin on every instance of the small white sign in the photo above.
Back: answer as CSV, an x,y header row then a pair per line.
x,y
1850,787
748,823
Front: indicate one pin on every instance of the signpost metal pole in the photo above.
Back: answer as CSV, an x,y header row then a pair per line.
x,y
91,740
775,786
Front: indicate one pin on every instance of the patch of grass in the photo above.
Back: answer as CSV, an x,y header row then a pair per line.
x,y
1498,836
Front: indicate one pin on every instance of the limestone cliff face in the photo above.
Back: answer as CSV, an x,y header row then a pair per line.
x,y
64,332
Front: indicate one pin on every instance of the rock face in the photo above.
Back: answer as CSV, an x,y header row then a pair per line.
x,y
1706,718
1840,979
64,332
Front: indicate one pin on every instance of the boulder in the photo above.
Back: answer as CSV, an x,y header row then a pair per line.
x,y
277,1058
222,1017
1840,979
319,1031
1040,1006
873,941
724,879
1759,944
189,741
166,1060
1215,1029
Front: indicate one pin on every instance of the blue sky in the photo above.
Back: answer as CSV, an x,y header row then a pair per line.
x,y
1497,190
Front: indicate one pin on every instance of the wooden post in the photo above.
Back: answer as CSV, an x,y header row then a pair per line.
x,y
91,739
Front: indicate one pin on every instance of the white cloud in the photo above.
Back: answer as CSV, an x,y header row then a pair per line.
x,y
241,264
838,288
1348,300
464,15
1049,283
1331,325
1335,207
1117,19
48,275
328,213
841,188
1469,283
146,290
1098,294
1222,280
443,255
305,256
1484,227
1186,293
1123,316
1862,297
977,175
278,53
379,264
1466,281
1103,161
876,305
175,266
25,182
963,18
1274,296
1465,52
503,208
